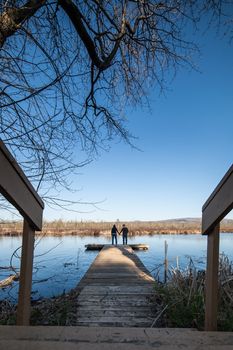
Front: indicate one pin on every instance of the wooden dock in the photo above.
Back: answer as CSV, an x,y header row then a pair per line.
x,y
116,290
133,246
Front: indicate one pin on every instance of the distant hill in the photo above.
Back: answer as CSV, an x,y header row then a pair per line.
x,y
193,223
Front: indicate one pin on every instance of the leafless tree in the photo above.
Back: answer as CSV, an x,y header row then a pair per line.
x,y
69,67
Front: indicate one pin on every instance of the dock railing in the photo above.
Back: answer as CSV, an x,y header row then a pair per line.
x,y
217,206
16,188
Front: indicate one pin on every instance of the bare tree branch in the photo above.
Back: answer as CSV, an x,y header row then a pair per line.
x,y
69,68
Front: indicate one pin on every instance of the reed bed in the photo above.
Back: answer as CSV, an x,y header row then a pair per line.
x,y
181,299
91,228
56,311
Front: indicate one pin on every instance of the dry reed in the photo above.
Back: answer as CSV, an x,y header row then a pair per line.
x,y
182,298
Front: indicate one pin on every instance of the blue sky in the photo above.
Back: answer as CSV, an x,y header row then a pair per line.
x,y
185,142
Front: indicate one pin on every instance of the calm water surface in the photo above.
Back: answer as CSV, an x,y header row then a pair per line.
x,y
60,262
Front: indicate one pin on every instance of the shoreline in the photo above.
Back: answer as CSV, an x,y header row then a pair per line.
x,y
92,233
60,228
107,233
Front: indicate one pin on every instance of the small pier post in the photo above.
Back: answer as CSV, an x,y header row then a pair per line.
x,y
165,261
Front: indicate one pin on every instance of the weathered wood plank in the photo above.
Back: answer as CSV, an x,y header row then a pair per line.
x,y
219,204
86,345
116,320
123,338
16,188
99,269
111,309
110,303
133,246
116,290
120,335
114,283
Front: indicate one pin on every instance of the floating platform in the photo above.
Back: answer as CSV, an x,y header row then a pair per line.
x,y
133,246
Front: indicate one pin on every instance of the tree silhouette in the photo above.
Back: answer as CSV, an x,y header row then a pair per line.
x,y
69,68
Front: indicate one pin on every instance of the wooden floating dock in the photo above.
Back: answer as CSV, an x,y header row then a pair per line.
x,y
133,246
116,290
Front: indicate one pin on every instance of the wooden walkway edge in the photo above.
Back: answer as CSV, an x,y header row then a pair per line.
x,y
133,246
105,338
116,290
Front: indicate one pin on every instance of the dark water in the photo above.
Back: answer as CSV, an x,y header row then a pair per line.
x,y
60,262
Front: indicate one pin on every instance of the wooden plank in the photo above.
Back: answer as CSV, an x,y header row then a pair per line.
x,y
24,303
65,334
113,302
128,299
113,316
114,270
115,290
87,345
130,320
16,188
219,186
45,345
115,282
211,291
115,321
107,275
113,311
110,301
219,204
121,338
133,246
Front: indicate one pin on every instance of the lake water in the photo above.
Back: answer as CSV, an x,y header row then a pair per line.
x,y
60,262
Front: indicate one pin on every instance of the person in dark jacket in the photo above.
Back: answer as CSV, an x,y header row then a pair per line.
x,y
114,233
125,232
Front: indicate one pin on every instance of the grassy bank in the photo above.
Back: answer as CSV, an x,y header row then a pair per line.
x,y
81,228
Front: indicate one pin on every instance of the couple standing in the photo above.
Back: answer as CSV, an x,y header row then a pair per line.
x,y
124,231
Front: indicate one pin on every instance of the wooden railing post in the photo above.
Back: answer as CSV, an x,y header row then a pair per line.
x,y
211,287
17,189
25,282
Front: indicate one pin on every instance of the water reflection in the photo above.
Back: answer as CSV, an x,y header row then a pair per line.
x,y
60,262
